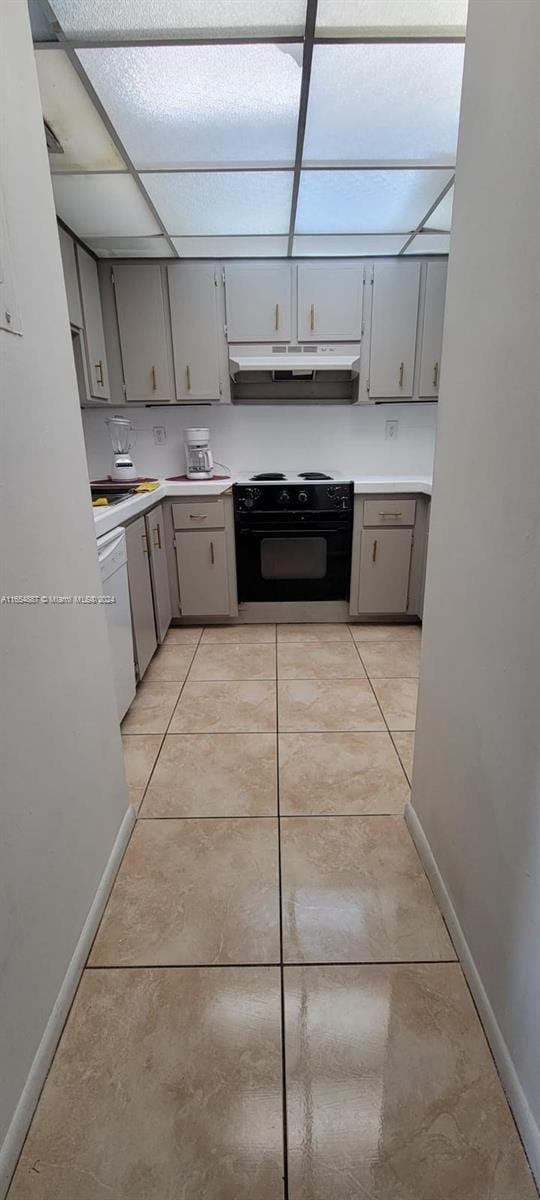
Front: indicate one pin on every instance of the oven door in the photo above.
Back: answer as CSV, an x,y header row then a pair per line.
x,y
293,562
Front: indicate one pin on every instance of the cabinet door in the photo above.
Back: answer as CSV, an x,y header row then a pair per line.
x,y
71,280
141,322
140,594
160,576
202,573
98,376
394,317
432,331
258,298
195,331
329,302
385,563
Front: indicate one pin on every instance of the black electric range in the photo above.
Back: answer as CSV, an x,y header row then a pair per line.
x,y
293,537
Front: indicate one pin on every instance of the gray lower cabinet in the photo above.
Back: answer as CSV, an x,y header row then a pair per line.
x,y
155,535
385,564
203,576
140,592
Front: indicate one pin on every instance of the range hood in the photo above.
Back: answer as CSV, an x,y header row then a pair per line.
x,y
282,374
294,362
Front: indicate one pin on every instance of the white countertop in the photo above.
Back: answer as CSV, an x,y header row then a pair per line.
x,y
111,515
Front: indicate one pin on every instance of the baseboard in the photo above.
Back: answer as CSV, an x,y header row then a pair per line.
x,y
525,1120
13,1142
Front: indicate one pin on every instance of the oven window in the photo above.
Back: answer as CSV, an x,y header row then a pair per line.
x,y
293,558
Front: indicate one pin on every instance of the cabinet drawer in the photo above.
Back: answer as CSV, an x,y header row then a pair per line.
x,y
389,512
199,516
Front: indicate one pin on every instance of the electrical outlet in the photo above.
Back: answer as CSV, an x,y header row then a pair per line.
x,y
160,434
391,430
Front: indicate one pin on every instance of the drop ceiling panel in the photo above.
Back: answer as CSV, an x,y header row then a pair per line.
x,y
333,245
384,102
430,243
180,18
402,18
199,105
135,247
216,203
73,119
103,206
231,247
441,217
366,201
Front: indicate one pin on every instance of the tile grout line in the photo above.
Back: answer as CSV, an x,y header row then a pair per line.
x,y
281,965
266,966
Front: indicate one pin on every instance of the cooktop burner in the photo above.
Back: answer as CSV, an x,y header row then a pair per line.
x,y
313,475
269,477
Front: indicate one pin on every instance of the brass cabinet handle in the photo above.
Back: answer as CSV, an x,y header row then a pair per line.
x,y
144,541
312,317
188,379
157,537
154,379
390,514
276,321
212,555
374,551
99,376
198,516
435,375
401,373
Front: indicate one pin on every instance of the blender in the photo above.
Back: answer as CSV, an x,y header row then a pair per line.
x,y
199,461
123,467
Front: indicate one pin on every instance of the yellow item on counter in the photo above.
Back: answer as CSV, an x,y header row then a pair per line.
x,y
147,487
99,503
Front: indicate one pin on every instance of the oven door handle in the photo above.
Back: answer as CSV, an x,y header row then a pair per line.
x,y
304,531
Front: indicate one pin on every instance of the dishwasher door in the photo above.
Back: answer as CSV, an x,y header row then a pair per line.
x,y
112,558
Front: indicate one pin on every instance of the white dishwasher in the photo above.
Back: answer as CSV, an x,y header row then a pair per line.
x,y
112,556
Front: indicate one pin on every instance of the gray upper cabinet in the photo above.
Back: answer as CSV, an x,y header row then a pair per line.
x,y
385,565
94,338
71,280
140,594
432,331
196,332
259,302
155,538
330,302
394,319
141,310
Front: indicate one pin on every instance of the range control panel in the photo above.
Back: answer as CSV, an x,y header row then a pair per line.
x,y
309,497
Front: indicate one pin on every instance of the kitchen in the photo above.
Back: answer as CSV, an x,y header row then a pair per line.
x,y
269,596
385,319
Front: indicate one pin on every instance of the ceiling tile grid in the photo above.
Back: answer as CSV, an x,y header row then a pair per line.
x,y
259,128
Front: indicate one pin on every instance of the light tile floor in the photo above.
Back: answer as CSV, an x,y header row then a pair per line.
x,y
272,1008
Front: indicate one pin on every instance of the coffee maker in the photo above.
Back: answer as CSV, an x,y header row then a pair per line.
x,y
199,461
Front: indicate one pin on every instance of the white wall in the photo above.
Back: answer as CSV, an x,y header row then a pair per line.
x,y
277,438
476,790
63,789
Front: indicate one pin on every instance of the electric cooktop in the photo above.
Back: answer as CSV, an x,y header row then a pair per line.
x,y
289,476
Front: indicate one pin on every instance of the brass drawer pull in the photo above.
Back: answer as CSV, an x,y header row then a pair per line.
x,y
436,375
144,541
312,317
374,551
188,379
157,537
198,516
390,514
276,319
401,373
99,373
212,555
154,379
